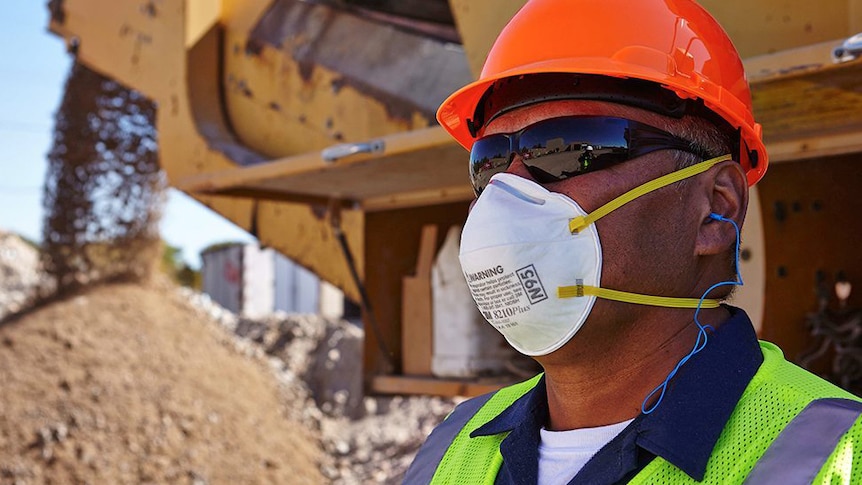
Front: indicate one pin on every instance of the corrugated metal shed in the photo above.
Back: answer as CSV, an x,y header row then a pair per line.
x,y
253,282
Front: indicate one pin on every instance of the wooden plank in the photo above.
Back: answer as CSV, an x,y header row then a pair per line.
x,y
391,253
817,146
278,196
416,318
427,251
820,103
416,329
788,63
416,198
424,168
809,106
421,161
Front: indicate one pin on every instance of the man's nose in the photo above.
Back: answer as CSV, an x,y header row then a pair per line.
x,y
518,168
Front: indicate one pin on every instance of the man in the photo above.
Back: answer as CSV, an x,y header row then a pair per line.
x,y
608,273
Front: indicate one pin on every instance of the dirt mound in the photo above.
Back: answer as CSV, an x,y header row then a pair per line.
x,y
127,384
159,384
368,439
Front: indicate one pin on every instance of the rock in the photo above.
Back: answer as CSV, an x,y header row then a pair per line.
x,y
20,277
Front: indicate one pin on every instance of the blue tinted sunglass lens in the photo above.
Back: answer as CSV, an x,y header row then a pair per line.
x,y
488,157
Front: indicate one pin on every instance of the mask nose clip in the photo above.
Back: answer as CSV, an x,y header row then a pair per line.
x,y
504,182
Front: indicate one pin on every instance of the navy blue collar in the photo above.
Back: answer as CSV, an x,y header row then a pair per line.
x,y
683,429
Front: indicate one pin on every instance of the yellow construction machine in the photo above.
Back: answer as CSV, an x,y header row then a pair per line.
x,y
310,124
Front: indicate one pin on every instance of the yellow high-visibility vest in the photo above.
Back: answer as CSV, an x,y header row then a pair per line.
x,y
788,427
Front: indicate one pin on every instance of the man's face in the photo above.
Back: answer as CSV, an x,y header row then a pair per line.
x,y
647,244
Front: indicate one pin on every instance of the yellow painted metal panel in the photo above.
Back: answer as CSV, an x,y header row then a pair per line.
x,y
304,233
768,26
756,27
273,108
297,80
815,146
133,45
201,16
854,17
479,23
241,15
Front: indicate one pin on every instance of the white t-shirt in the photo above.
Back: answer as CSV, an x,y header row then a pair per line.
x,y
562,454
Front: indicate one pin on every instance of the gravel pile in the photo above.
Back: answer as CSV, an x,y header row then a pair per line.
x,y
367,439
379,447
127,384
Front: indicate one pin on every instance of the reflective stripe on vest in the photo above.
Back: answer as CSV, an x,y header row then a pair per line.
x,y
804,445
425,464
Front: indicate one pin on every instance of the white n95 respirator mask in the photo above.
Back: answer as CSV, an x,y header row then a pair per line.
x,y
516,249
533,260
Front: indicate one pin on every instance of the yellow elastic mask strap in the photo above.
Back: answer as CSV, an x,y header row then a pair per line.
x,y
624,296
580,223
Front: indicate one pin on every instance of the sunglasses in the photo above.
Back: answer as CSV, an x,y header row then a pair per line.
x,y
560,148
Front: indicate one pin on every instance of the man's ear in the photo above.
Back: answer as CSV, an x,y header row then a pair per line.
x,y
725,194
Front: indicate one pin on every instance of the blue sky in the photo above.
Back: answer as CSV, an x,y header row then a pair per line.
x,y
33,68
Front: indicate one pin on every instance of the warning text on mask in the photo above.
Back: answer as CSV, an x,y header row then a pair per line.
x,y
500,297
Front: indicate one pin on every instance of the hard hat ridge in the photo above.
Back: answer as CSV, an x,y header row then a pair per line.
x,y
508,94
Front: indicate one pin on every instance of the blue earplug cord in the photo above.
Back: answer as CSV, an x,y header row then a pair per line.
x,y
702,338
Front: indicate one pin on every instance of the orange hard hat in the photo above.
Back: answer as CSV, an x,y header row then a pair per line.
x,y
674,46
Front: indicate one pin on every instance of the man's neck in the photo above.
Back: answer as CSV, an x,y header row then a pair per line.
x,y
596,384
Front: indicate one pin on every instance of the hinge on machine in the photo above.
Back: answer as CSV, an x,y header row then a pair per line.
x,y
336,152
